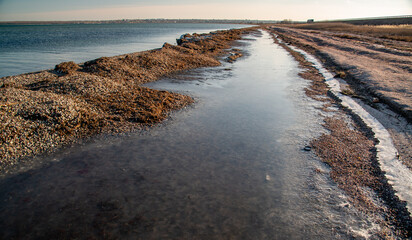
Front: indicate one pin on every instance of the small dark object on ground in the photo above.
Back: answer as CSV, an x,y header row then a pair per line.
x,y
307,148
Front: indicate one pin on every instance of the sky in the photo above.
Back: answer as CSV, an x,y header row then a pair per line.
x,y
61,10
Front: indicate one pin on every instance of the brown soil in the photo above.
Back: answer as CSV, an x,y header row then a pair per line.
x,y
44,110
349,150
378,66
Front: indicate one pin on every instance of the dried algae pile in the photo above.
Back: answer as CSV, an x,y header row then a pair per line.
x,y
44,110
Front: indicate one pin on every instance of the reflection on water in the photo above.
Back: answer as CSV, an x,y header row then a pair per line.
x,y
230,167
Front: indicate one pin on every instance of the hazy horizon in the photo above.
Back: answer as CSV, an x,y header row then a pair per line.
x,y
298,10
196,19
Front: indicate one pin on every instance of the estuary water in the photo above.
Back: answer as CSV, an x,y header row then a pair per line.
x,y
229,167
29,48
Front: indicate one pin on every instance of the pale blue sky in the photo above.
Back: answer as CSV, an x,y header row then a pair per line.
x,y
11,10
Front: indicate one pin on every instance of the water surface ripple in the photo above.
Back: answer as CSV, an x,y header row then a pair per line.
x,y
230,167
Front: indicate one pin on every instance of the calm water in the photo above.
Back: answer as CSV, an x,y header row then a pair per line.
x,y
230,167
37,47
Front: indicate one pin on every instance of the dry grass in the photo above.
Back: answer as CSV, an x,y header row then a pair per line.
x,y
395,32
403,26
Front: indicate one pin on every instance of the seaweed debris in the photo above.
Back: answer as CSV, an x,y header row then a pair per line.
x,y
42,111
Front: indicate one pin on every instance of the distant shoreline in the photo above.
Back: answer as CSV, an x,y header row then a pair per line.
x,y
215,21
383,20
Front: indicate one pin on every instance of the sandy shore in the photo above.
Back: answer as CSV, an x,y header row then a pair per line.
x,y
43,111
378,72
349,147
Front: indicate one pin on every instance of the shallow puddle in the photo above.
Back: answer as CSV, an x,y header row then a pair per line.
x,y
230,167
